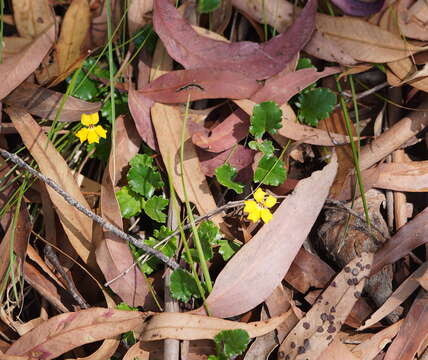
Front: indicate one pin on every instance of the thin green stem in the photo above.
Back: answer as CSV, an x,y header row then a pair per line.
x,y
198,245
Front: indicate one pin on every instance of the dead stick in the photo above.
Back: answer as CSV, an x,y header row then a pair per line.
x,y
98,219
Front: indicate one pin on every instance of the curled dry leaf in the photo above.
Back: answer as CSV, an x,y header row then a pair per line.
x,y
181,86
74,31
261,264
364,41
45,103
368,349
413,331
405,289
77,226
185,326
412,18
113,254
32,17
410,236
322,323
65,332
258,61
16,68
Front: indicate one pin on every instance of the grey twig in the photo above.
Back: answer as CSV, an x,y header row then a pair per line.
x,y
98,219
53,258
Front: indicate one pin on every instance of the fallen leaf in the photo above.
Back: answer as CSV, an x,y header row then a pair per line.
x,y
410,236
136,11
185,326
135,352
139,106
412,333
282,88
411,18
364,41
406,288
74,31
359,8
65,332
322,322
258,61
337,350
181,86
77,226
368,349
239,157
16,68
32,17
45,103
261,264
113,254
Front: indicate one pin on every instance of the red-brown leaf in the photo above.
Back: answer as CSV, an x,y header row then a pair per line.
x,y
258,61
181,85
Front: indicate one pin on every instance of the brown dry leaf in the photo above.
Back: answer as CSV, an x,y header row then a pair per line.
x,y
394,137
74,31
410,236
113,254
135,352
412,19
337,350
65,332
413,331
137,9
321,324
32,17
16,68
44,103
364,41
77,226
423,279
298,132
261,264
168,122
368,349
185,326
405,289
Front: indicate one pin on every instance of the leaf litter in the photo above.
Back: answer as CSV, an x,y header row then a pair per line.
x,y
220,98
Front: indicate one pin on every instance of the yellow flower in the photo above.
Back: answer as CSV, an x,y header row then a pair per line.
x,y
91,132
259,209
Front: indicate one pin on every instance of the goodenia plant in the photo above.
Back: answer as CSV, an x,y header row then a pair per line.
x,y
144,181
229,344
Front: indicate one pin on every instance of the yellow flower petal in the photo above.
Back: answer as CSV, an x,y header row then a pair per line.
x,y
82,134
259,195
101,132
270,201
254,216
250,206
266,215
90,119
93,136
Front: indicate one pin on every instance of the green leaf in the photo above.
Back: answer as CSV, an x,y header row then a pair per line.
x,y
121,106
154,207
84,88
225,175
315,105
266,117
147,38
304,63
209,232
206,6
231,343
169,249
183,285
125,306
129,202
270,171
94,68
266,147
143,178
227,249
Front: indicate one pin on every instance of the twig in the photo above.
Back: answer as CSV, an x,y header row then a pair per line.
x,y
367,92
98,219
145,257
53,258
